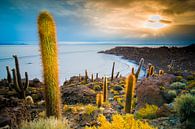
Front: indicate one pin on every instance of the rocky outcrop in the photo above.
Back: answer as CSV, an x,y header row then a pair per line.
x,y
149,90
74,94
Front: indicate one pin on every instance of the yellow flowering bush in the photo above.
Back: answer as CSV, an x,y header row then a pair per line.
x,y
121,122
148,112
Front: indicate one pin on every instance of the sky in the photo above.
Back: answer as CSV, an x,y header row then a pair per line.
x,y
100,20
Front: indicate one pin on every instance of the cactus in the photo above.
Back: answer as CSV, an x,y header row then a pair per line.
x,y
112,74
96,76
130,89
161,72
86,76
148,70
139,68
19,86
99,99
105,89
151,71
49,53
80,77
92,77
9,78
117,74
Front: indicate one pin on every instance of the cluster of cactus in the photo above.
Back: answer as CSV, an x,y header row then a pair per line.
x,y
19,86
99,99
130,89
48,45
105,89
112,74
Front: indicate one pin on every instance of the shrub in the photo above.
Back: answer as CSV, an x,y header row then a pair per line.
x,y
192,91
49,123
97,88
89,109
172,94
148,112
184,106
178,78
190,77
178,85
191,84
121,122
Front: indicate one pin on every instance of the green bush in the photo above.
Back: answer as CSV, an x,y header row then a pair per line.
x,y
49,123
178,85
185,106
178,78
190,77
192,91
97,88
191,84
148,112
172,93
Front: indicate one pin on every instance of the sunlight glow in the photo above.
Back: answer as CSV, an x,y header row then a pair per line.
x,y
154,22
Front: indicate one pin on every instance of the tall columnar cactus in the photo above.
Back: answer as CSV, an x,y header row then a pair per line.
x,y
19,86
112,74
96,76
9,78
80,77
92,77
49,53
99,99
148,70
130,89
139,68
105,89
86,76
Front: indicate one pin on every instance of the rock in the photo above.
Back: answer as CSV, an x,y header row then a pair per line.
x,y
149,91
4,121
77,94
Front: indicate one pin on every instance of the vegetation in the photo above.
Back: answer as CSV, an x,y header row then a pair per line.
x,y
48,123
130,89
48,44
121,122
105,89
148,112
178,85
19,86
141,62
112,74
99,99
185,105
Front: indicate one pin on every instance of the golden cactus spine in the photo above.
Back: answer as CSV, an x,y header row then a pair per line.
x,y
105,89
112,74
99,99
49,53
130,89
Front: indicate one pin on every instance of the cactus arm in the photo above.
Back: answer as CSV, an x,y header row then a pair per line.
x,y
26,81
16,86
18,71
117,74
